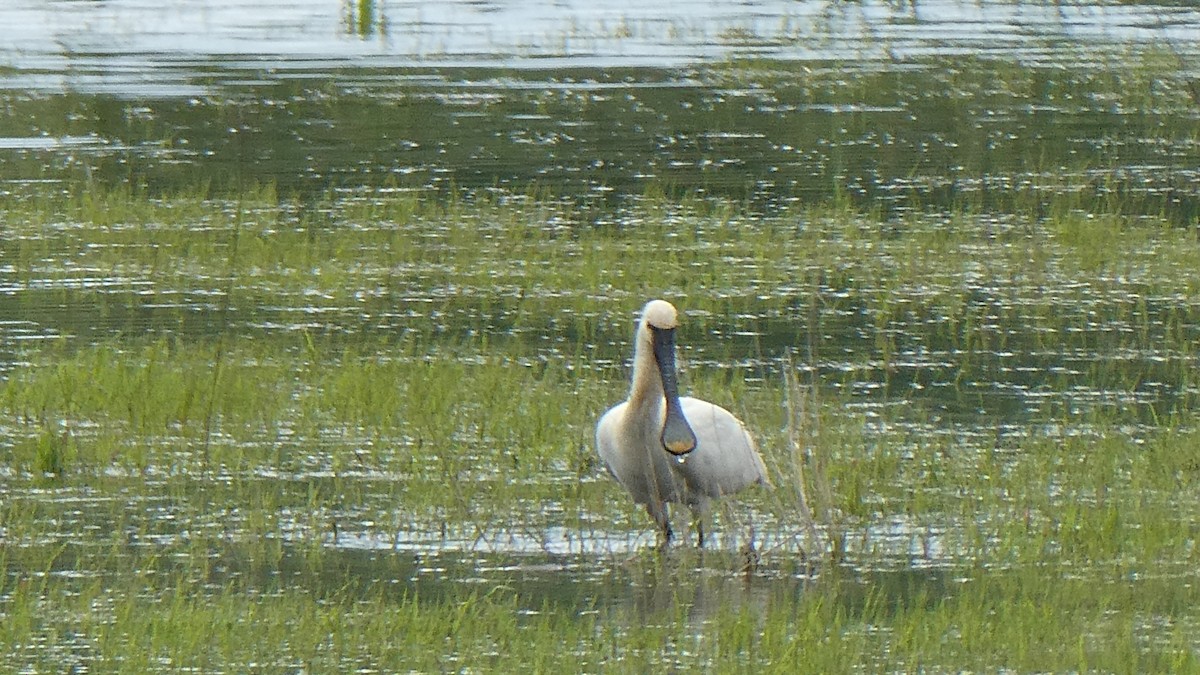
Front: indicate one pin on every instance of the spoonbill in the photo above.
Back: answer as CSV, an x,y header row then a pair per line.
x,y
663,448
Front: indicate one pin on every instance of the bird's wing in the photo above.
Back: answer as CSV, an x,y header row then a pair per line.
x,y
606,442
725,459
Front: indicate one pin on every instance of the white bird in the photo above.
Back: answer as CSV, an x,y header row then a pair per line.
x,y
664,448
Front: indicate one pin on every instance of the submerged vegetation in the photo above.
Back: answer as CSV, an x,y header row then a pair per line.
x,y
364,429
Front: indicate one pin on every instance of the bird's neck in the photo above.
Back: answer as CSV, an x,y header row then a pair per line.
x,y
646,389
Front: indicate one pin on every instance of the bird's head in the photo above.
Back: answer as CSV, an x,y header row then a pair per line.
x,y
660,320
660,314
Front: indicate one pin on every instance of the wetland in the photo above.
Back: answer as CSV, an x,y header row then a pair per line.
x,y
305,328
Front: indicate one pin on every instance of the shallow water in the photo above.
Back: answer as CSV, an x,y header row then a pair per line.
x,y
116,47
911,109
475,95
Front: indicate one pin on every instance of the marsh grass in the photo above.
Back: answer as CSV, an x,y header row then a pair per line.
x,y
359,435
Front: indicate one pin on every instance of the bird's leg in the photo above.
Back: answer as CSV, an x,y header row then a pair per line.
x,y
662,518
699,515
750,557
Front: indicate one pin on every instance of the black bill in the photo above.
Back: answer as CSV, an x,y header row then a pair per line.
x,y
677,436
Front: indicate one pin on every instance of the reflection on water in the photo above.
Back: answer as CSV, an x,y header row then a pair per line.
x,y
770,138
928,103
141,48
165,536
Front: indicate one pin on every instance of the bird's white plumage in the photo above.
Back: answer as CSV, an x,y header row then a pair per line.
x,y
629,438
725,459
